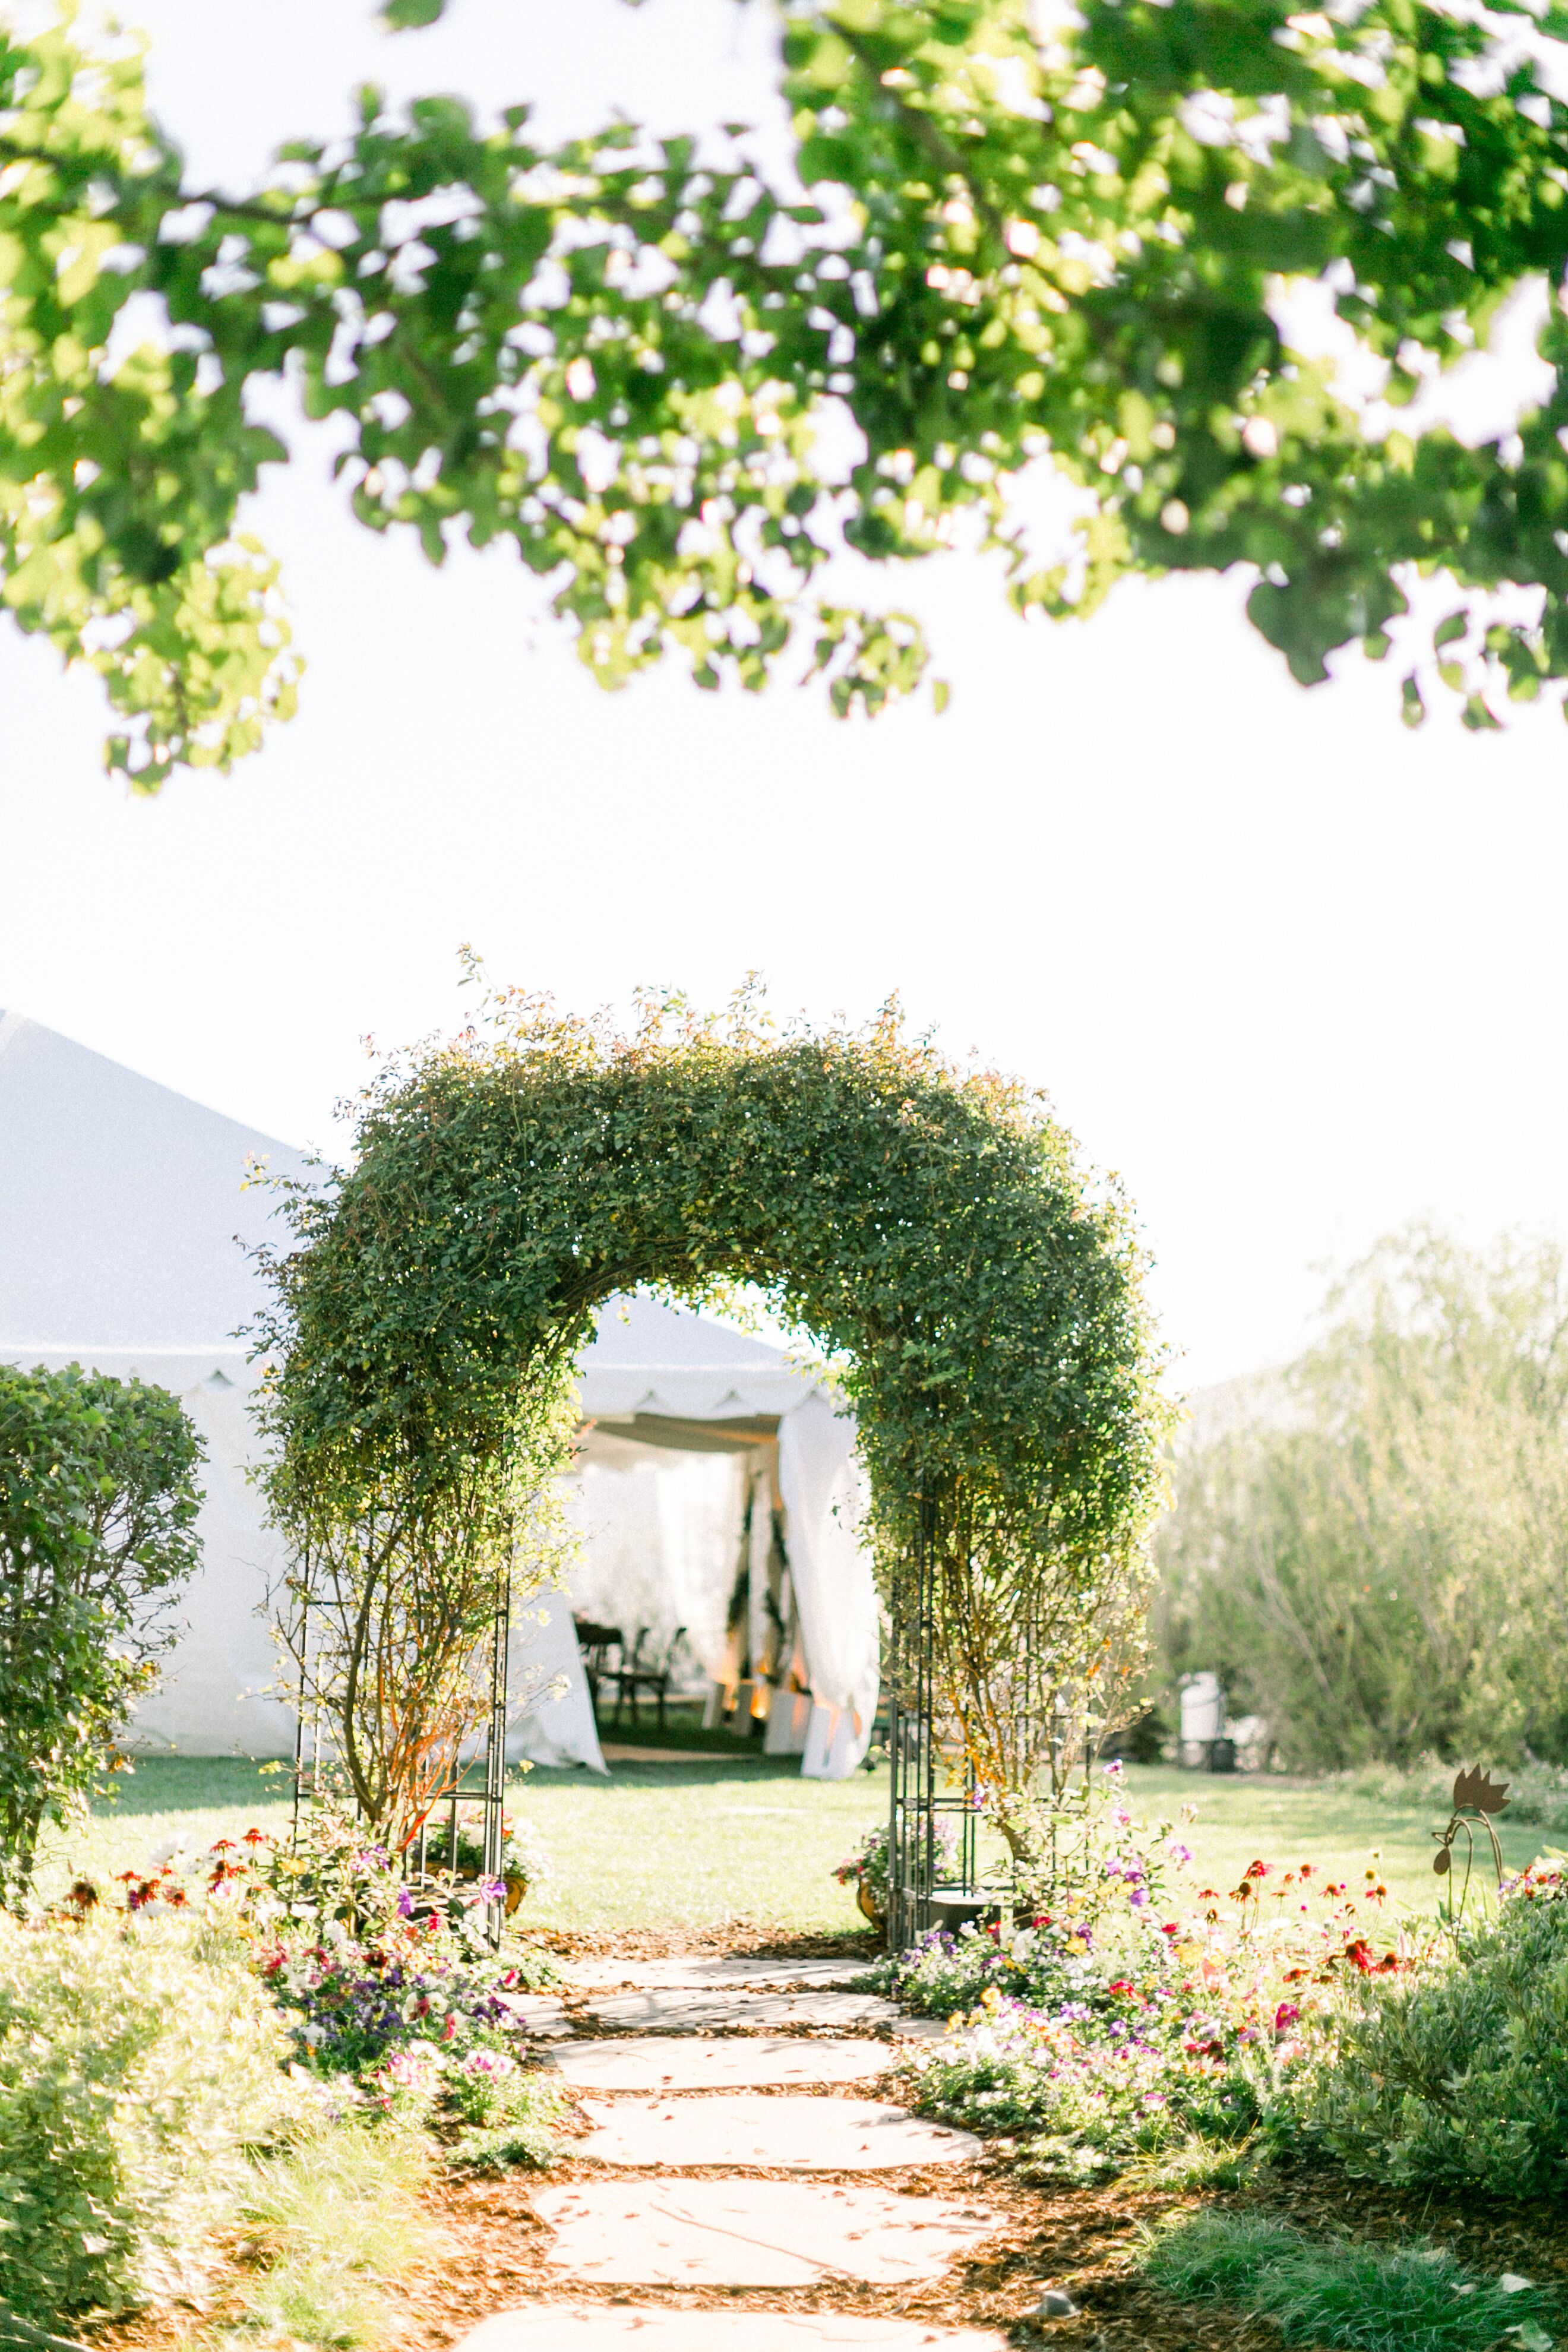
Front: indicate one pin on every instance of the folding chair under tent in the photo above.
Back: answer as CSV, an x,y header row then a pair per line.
x,y
124,1221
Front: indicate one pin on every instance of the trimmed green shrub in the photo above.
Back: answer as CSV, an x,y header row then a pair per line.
x,y
1460,2073
99,1497
1410,2298
138,2066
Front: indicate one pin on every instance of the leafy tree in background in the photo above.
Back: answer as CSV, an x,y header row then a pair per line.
x,y
98,1508
1006,249
1376,1557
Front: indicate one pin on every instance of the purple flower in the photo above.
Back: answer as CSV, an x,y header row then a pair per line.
x,y
404,1902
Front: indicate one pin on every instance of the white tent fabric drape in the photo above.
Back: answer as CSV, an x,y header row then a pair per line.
x,y
822,1484
552,1711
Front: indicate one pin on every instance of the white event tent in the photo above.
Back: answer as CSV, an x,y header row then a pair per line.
x,y
716,1489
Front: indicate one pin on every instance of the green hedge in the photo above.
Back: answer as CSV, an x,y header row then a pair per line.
x,y
138,2066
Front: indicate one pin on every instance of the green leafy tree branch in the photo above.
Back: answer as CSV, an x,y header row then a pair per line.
x,y
1003,250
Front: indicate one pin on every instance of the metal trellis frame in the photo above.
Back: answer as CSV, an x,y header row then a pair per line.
x,y
458,1801
929,1883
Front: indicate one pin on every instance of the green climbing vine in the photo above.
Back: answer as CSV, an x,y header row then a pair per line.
x,y
932,1228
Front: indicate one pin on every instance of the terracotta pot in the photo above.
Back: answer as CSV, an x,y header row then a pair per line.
x,y
869,1906
516,1888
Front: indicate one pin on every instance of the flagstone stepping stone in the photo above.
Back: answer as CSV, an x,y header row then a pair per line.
x,y
616,2327
804,2135
665,2007
680,2063
752,2234
704,1968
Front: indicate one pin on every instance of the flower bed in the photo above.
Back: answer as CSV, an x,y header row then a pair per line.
x,y
1149,2012
1457,2072
397,1999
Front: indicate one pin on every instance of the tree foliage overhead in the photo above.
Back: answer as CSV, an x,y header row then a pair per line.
x,y
931,1228
98,1499
1003,248
1374,1558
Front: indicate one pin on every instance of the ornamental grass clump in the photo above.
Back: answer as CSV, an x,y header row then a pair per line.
x,y
334,2221
1366,2298
1457,2072
141,2066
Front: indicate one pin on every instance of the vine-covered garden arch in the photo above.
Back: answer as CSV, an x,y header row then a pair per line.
x,y
930,1227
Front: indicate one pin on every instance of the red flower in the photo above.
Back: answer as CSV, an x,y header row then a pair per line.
x,y
1285,2016
1257,1870
1120,1984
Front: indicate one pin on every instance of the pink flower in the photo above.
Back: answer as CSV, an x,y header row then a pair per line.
x,y
492,2064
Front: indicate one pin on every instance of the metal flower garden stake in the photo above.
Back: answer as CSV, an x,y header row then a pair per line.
x,y
1475,1797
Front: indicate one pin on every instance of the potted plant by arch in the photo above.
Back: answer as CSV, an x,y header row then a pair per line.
x,y
867,1870
525,1862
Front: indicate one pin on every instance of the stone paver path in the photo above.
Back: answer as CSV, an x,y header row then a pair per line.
x,y
752,2233
749,2130
609,2328
670,2010
682,2063
681,2091
703,1969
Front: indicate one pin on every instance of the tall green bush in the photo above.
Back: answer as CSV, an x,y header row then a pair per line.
x,y
138,2068
98,1506
1374,1558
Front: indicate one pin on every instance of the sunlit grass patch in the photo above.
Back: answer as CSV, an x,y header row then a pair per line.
x,y
335,2222
1367,2298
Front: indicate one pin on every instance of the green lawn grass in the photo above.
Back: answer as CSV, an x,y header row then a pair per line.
x,y
1246,1817
746,1839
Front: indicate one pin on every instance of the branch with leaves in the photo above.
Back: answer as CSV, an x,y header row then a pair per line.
x,y
1003,252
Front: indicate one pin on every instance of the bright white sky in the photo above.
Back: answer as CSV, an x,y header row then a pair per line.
x,y
1291,972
